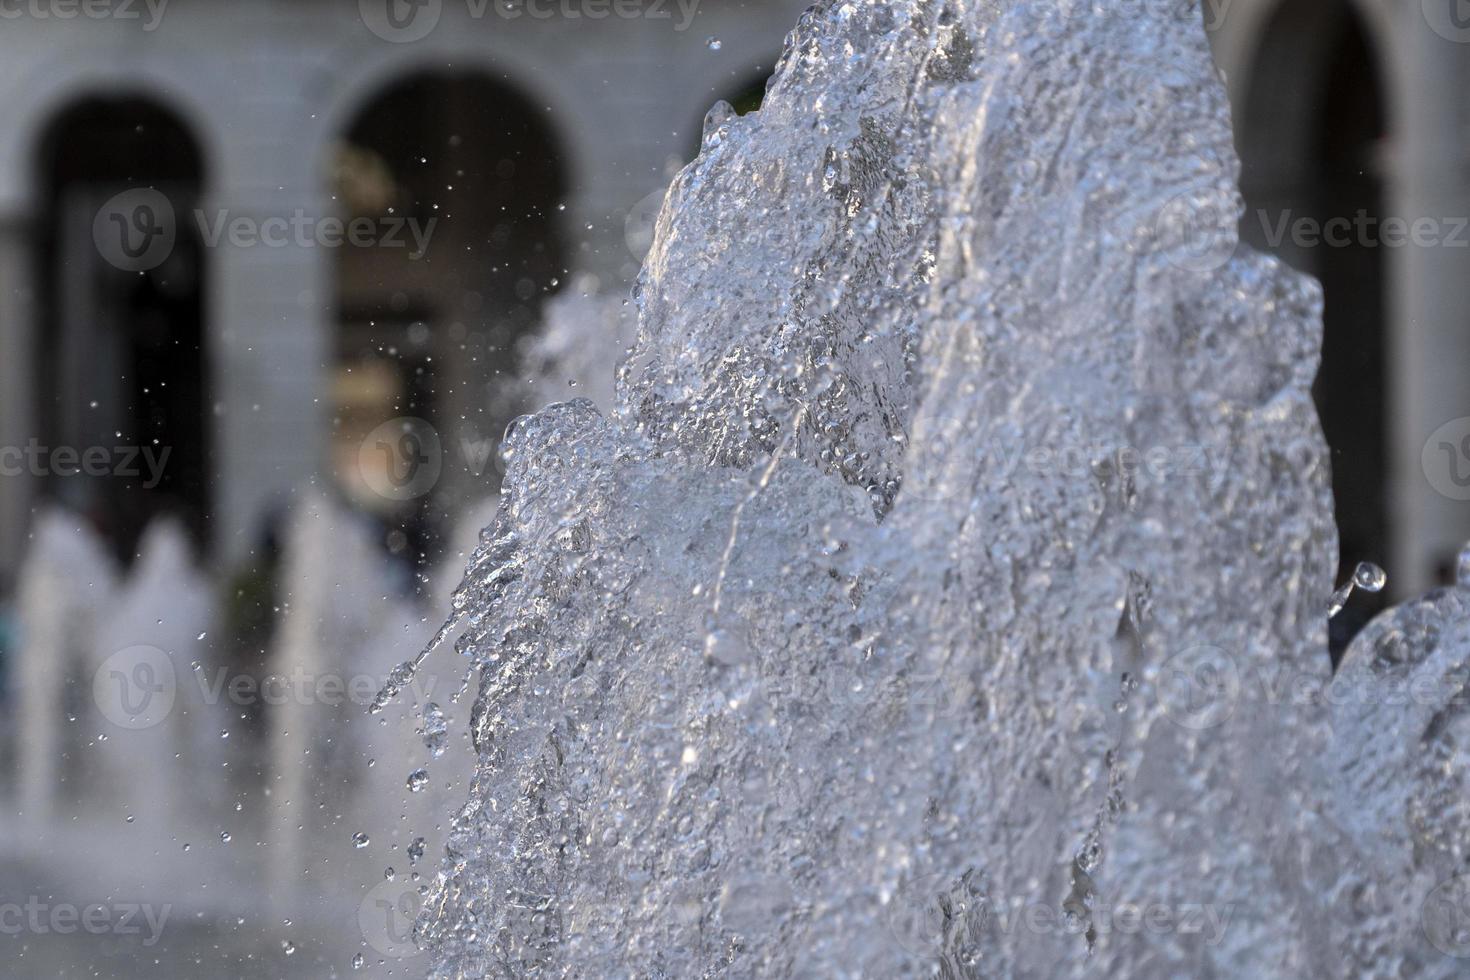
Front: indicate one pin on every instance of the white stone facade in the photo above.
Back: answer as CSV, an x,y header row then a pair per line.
x,y
265,88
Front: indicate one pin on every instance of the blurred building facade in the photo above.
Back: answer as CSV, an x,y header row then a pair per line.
x,y
523,144
535,136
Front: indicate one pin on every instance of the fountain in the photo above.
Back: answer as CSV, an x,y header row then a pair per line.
x,y
924,605
67,575
147,639
338,774
140,776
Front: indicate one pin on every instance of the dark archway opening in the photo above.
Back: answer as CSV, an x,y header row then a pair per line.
x,y
749,97
1312,134
123,368
434,335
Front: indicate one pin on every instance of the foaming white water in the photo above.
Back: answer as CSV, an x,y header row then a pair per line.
x,y
922,608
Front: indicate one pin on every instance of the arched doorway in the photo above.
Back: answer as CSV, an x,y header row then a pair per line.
x,y
123,367
1312,134
434,335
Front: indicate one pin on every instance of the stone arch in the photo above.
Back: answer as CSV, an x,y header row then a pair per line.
x,y
362,81
435,335
50,92
120,348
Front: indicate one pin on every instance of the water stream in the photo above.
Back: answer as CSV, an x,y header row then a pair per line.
x,y
946,593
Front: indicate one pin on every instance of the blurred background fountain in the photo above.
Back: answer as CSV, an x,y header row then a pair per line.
x,y
232,792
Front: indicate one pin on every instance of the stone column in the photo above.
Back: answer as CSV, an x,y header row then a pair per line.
x,y
269,347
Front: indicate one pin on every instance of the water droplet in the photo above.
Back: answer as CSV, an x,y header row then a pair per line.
x,y
713,43
400,675
359,839
224,836
1369,577
436,730
417,780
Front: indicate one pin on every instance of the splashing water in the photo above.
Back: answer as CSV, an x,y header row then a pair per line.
x,y
1367,576
924,606
435,730
417,780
